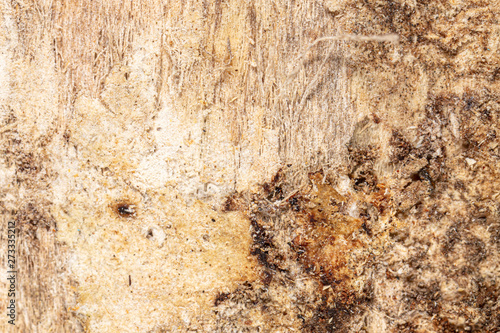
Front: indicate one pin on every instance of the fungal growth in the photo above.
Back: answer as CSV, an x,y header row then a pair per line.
x,y
303,235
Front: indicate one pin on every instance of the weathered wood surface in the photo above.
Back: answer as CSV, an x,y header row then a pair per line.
x,y
223,166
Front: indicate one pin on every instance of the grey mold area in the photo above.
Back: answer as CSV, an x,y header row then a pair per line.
x,y
171,138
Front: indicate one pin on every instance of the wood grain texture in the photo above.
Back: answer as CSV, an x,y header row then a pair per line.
x,y
232,166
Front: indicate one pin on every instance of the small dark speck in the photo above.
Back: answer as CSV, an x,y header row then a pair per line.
x,y
213,220
129,280
126,210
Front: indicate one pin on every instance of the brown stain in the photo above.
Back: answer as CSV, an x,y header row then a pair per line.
x,y
335,315
412,208
298,235
124,208
221,297
324,236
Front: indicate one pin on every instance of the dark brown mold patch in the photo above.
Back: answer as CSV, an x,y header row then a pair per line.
x,y
125,209
361,168
302,240
221,297
333,316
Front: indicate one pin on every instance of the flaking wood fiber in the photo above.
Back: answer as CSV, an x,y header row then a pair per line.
x,y
266,166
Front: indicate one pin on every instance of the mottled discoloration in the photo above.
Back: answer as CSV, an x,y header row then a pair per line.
x,y
206,166
434,93
304,242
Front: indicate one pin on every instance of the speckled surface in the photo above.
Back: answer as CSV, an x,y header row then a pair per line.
x,y
218,167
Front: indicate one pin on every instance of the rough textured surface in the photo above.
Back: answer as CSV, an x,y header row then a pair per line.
x,y
221,167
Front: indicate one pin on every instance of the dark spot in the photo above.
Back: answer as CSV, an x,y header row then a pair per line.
x,y
263,258
399,235
334,317
273,189
125,210
424,175
406,327
31,217
469,103
277,193
261,238
150,233
27,163
221,297
459,186
267,278
495,234
360,181
367,229
294,203
66,136
361,168
415,177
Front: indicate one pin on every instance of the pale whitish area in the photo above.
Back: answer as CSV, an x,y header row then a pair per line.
x,y
175,273
8,38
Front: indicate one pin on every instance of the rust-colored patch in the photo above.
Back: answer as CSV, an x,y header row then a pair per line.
x,y
302,240
325,233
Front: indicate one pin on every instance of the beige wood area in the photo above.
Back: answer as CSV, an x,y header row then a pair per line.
x,y
251,166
